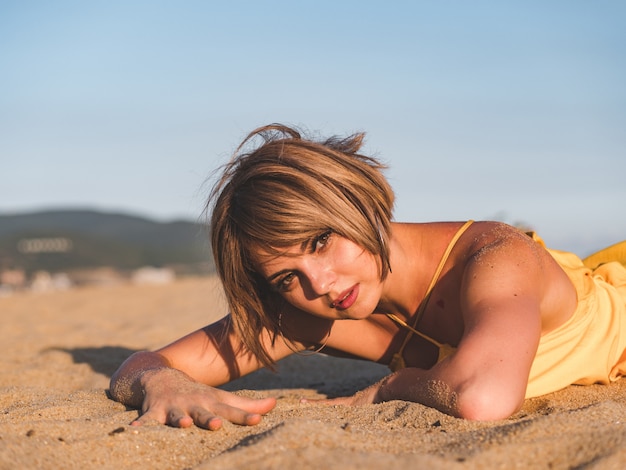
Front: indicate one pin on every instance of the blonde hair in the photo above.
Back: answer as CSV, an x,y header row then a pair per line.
x,y
279,194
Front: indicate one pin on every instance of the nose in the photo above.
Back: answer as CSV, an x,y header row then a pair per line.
x,y
321,278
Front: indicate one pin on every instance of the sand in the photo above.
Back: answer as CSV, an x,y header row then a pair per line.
x,y
59,350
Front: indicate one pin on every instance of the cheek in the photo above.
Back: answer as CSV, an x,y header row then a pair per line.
x,y
297,299
368,264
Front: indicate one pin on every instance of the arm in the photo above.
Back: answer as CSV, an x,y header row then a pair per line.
x,y
486,378
502,294
175,385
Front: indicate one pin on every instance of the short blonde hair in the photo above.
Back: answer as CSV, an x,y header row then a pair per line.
x,y
281,193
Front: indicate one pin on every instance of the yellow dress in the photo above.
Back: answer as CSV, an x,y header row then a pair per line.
x,y
591,346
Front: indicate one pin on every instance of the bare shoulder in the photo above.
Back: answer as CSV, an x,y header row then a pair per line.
x,y
500,239
503,256
504,263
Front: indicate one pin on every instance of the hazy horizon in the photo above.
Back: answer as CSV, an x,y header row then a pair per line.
x,y
581,247
486,110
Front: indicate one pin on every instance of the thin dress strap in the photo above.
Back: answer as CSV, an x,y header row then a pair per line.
x,y
397,362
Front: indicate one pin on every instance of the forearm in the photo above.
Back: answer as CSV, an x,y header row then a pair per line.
x,y
475,398
419,386
126,383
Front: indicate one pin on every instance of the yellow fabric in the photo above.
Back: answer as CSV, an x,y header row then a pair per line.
x,y
591,346
615,252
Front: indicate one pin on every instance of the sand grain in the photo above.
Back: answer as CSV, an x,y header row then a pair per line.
x,y
59,350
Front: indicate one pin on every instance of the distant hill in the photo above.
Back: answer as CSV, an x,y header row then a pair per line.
x,y
73,239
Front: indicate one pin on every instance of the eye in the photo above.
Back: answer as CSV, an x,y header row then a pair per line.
x,y
285,282
319,242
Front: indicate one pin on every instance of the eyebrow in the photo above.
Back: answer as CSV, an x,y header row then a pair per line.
x,y
303,248
277,274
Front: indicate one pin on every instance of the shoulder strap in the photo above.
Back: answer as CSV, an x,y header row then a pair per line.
x,y
422,308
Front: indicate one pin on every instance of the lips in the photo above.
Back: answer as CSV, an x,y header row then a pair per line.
x,y
347,298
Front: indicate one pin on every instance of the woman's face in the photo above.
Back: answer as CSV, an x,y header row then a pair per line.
x,y
328,276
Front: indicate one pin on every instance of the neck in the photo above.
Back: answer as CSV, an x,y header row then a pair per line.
x,y
410,257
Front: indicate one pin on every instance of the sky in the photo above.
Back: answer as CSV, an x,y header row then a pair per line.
x,y
506,110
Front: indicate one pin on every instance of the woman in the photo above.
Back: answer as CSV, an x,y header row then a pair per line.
x,y
472,317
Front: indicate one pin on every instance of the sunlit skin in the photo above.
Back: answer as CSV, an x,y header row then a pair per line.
x,y
329,277
498,293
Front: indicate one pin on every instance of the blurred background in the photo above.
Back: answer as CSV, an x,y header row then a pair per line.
x,y
512,111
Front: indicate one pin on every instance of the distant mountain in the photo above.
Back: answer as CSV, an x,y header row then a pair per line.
x,y
73,239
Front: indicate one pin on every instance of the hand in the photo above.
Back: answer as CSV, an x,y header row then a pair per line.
x,y
172,397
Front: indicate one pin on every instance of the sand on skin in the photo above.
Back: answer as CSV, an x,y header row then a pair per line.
x,y
59,350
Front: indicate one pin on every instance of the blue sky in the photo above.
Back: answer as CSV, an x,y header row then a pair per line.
x,y
482,109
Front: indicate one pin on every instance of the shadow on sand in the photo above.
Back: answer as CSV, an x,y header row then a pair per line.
x,y
103,360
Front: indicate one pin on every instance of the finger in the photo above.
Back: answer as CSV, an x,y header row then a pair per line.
x,y
237,415
205,419
251,405
260,406
149,417
178,418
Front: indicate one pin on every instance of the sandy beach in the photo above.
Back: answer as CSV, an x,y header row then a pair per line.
x,y
60,348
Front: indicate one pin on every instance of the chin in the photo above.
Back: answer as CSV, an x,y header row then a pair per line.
x,y
357,315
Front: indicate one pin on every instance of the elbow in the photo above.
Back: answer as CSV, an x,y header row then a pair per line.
x,y
120,388
125,386
114,391
485,403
